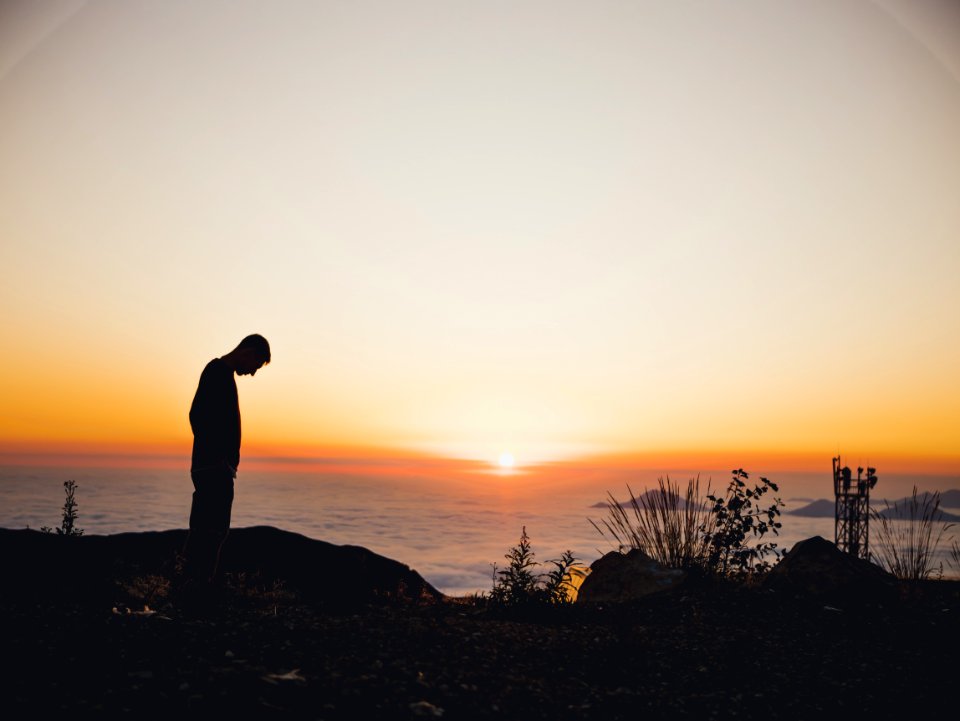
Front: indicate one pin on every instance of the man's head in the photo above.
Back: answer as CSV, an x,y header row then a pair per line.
x,y
250,355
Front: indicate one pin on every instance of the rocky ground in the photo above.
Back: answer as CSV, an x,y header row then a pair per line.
x,y
704,650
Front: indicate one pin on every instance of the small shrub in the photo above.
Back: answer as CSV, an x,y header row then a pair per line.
x,y
736,520
68,523
519,583
662,523
719,534
148,590
908,536
562,582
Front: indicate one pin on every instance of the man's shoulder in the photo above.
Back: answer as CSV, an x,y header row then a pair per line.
x,y
217,368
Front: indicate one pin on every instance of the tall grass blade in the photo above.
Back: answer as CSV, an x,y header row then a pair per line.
x,y
908,535
665,523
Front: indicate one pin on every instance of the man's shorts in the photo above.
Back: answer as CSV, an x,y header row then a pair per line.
x,y
212,499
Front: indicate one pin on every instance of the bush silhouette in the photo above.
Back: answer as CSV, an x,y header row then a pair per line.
x,y
719,534
519,583
737,518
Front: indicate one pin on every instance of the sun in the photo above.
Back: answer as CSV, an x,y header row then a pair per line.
x,y
506,461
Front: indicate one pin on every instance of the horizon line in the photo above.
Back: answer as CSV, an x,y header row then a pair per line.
x,y
385,458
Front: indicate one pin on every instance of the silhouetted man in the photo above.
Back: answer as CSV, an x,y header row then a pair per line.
x,y
215,420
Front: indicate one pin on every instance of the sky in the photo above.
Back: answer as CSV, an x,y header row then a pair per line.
x,y
671,231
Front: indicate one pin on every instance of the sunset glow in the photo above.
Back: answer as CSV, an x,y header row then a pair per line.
x,y
600,231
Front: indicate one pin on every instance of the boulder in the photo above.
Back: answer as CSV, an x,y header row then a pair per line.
x,y
323,571
618,577
817,569
43,563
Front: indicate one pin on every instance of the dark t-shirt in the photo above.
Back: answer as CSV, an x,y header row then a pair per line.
x,y
215,418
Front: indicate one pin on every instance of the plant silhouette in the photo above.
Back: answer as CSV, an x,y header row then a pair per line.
x,y
68,523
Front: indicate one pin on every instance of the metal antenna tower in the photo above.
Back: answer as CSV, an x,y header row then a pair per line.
x,y
852,515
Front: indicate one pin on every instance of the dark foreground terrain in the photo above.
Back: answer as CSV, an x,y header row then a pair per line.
x,y
705,650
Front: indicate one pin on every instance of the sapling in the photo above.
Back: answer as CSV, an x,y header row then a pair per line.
x,y
68,523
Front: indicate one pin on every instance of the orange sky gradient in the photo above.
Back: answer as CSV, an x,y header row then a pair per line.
x,y
604,235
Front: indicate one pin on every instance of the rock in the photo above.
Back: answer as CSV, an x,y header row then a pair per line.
x,y
43,563
625,577
817,569
346,575
425,708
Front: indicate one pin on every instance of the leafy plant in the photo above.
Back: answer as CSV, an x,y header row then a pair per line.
x,y
909,534
68,523
720,534
737,519
562,582
662,523
519,583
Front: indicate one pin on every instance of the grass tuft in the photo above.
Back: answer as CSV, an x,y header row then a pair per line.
x,y
908,536
665,523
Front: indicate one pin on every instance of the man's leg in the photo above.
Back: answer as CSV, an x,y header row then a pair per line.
x,y
209,525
